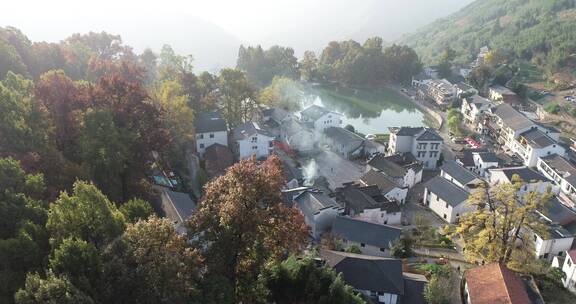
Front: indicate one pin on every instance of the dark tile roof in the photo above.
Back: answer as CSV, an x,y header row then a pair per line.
x,y
429,135
478,100
414,285
366,272
488,157
406,131
495,284
183,204
248,129
384,183
313,201
459,173
344,137
387,166
447,191
276,114
314,112
355,199
209,122
525,173
467,157
217,159
561,165
512,118
358,231
557,213
537,139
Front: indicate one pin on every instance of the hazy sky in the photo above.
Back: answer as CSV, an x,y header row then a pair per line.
x,y
188,25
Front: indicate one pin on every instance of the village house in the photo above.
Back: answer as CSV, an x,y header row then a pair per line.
x,y
388,187
403,168
380,279
368,204
463,89
370,238
211,129
424,143
446,199
319,211
343,142
473,110
297,136
562,173
568,265
440,91
561,225
533,144
217,158
319,118
462,177
503,94
250,140
495,283
534,180
484,161
480,58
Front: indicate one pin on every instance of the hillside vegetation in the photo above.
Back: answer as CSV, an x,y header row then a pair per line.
x,y
540,31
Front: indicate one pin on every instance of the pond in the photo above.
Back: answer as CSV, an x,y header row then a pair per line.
x,y
370,111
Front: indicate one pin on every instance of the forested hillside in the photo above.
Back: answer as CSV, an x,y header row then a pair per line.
x,y
541,31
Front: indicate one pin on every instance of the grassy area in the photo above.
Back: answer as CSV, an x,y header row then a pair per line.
x,y
529,73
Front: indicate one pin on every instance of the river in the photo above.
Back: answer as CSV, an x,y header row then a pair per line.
x,y
370,111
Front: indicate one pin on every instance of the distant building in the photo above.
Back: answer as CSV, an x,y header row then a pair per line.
x,y
446,199
484,161
320,118
319,211
562,173
568,265
343,142
250,140
441,91
559,238
210,129
368,204
474,109
494,283
503,94
462,177
534,180
424,143
371,239
382,280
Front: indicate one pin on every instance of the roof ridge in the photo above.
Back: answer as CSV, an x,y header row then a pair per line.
x,y
505,282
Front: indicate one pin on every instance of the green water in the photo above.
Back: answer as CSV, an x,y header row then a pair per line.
x,y
370,111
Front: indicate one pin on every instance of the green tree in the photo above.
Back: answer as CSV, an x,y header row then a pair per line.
x,y
445,65
481,78
309,66
86,214
237,96
136,209
80,263
503,217
304,281
284,93
402,248
438,290
241,225
151,263
51,290
172,65
455,121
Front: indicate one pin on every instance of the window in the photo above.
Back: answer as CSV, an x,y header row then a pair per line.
x,y
383,249
362,245
201,146
546,255
211,135
270,144
421,153
444,216
254,147
433,154
386,222
422,146
434,146
201,136
560,253
568,262
254,139
446,205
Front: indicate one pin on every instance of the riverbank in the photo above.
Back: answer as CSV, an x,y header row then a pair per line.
x,y
422,106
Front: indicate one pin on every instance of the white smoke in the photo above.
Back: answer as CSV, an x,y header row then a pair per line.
x,y
310,172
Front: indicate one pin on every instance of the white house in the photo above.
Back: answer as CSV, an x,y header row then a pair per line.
x,y
319,211
320,118
403,168
484,161
534,144
568,266
446,199
555,243
424,143
297,136
502,94
211,129
563,174
473,109
534,180
250,141
389,188
460,176
442,91
372,239
368,204
343,142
